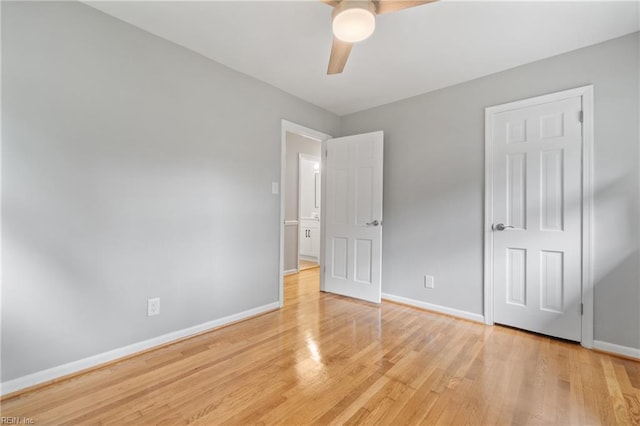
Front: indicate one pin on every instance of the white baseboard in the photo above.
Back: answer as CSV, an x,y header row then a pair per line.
x,y
616,349
308,258
95,360
290,272
435,308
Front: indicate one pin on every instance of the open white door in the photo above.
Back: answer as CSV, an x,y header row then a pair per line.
x,y
353,209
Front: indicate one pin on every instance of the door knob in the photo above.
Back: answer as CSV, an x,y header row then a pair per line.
x,y
501,227
373,223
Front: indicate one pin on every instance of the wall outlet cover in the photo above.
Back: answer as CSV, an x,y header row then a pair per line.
x,y
153,307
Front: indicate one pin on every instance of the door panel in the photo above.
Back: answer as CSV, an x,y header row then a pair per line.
x,y
314,236
517,277
363,257
552,190
517,190
339,259
537,189
354,216
552,281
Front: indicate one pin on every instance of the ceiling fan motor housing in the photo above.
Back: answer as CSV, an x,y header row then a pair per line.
x,y
354,21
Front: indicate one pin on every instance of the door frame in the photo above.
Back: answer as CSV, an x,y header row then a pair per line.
x,y
586,93
288,126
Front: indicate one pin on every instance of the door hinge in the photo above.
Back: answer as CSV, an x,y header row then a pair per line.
x,y
582,309
326,152
581,116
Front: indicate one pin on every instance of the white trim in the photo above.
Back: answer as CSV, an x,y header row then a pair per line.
x,y
323,210
290,271
586,92
309,259
288,126
539,100
290,223
588,300
95,360
488,218
616,349
435,308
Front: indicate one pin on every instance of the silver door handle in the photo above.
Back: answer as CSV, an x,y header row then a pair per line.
x,y
373,223
501,227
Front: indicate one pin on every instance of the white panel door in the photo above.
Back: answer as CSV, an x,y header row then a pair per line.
x,y
353,226
537,226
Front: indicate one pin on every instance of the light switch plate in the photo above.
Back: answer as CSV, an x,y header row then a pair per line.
x,y
429,281
275,188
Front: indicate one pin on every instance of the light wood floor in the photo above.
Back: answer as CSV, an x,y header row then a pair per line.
x,y
307,264
326,359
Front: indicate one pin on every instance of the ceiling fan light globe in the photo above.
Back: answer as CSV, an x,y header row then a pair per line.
x,y
354,24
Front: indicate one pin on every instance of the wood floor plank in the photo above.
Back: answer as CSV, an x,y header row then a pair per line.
x,y
325,359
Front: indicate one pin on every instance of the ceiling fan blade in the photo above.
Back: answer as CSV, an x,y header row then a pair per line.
x,y
339,54
387,6
332,3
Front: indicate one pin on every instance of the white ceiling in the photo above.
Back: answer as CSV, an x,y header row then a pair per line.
x,y
287,43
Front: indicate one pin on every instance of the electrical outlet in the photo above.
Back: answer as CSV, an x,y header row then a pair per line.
x,y
429,281
153,307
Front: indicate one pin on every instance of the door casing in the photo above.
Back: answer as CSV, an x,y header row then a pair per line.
x,y
586,93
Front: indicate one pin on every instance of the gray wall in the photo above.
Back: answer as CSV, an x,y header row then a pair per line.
x,y
296,144
131,168
434,173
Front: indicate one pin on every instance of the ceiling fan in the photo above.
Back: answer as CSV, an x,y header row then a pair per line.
x,y
354,21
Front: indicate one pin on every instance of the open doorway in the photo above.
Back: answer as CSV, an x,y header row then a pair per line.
x,y
301,200
302,207
309,201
